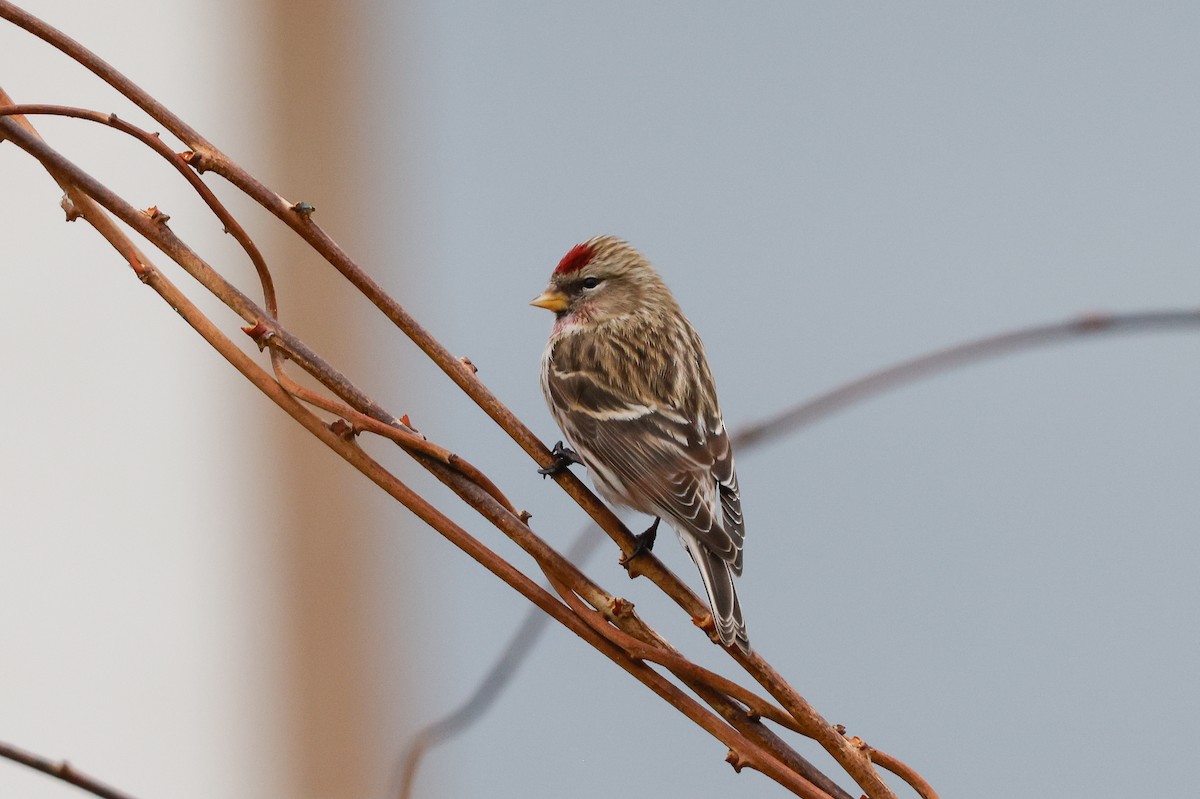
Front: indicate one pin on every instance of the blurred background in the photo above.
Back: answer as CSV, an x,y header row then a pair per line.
x,y
990,574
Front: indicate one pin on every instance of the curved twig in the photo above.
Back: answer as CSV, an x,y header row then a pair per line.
x,y
74,180
827,403
957,355
298,216
914,780
490,503
399,433
357,458
180,163
522,642
266,330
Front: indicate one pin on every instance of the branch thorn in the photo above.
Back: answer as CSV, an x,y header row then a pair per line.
x,y
194,160
139,269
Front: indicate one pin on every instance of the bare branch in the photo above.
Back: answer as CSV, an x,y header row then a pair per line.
x,y
958,355
61,770
604,621
789,421
914,780
83,188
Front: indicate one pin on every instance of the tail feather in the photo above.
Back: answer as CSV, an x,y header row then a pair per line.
x,y
722,596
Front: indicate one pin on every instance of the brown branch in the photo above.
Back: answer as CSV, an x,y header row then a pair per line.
x,y
180,163
157,233
520,646
914,780
206,157
267,333
856,764
523,641
790,421
61,770
763,760
75,180
465,482
793,419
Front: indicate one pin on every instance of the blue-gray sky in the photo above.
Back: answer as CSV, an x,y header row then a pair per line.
x,y
990,574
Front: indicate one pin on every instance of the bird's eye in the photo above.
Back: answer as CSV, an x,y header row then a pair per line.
x,y
591,282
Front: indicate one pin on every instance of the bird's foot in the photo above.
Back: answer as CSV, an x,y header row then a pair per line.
x,y
645,539
563,458
645,542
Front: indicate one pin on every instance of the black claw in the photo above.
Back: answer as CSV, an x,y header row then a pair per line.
x,y
563,458
645,539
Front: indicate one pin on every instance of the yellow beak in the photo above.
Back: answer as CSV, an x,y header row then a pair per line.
x,y
551,300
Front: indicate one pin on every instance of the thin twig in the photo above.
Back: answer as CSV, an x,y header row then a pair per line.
x,y
958,355
72,178
744,738
61,770
774,428
438,521
207,157
901,770
180,163
523,641
264,332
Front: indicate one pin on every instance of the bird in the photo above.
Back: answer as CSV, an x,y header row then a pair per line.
x,y
627,381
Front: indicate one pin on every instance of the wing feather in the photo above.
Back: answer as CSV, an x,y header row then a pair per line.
x,y
655,455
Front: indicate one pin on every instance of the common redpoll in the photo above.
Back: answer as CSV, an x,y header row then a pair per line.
x,y
626,379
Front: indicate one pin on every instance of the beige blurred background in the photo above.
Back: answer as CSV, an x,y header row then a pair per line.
x,y
192,591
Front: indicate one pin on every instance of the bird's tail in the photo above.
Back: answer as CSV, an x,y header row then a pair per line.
x,y
722,597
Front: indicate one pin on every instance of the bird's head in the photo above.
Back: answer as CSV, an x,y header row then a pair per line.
x,y
603,279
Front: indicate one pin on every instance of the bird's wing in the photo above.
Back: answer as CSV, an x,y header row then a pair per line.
x,y
681,465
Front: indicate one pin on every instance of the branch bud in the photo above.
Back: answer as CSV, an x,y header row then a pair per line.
x,y
69,208
156,215
620,608
194,159
259,333
343,429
